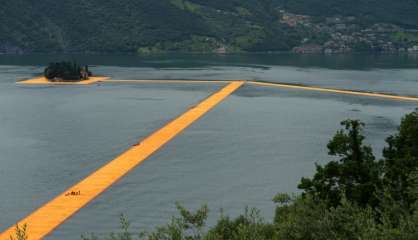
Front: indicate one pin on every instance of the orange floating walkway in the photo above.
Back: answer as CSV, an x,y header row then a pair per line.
x,y
330,90
52,214
168,81
44,81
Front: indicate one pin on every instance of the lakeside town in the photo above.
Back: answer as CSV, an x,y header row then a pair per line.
x,y
333,35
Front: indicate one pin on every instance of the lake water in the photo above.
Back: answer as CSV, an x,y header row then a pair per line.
x,y
258,142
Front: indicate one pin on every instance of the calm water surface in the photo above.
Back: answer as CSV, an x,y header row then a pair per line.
x,y
258,142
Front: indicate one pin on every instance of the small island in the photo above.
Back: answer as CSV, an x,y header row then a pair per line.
x,y
65,73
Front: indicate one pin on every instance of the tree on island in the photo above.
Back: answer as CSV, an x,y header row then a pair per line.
x,y
66,71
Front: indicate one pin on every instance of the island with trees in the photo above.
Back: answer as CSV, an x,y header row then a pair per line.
x,y
66,71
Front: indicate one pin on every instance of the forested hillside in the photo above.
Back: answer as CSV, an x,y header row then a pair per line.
x,y
143,26
401,12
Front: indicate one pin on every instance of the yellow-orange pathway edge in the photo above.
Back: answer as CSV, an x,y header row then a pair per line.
x,y
52,214
338,91
169,81
45,81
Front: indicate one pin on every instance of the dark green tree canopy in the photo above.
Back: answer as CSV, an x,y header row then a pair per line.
x,y
66,71
356,174
401,158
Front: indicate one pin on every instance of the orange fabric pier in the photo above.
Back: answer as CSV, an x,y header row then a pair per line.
x,y
330,90
52,214
44,81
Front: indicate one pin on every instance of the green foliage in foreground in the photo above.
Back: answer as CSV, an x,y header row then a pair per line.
x,y
355,175
354,197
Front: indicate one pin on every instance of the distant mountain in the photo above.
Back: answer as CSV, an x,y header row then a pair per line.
x,y
131,26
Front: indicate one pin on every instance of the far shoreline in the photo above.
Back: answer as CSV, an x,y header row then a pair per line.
x,y
406,53
355,61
